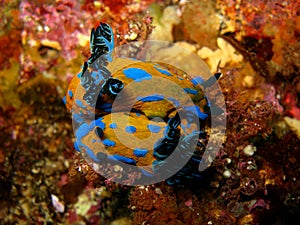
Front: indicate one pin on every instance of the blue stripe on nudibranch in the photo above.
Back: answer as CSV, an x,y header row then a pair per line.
x,y
99,123
92,155
109,143
174,101
190,91
64,99
110,44
130,129
113,125
76,146
151,98
197,80
137,74
121,158
138,152
153,128
166,72
196,110
78,117
82,131
146,173
80,104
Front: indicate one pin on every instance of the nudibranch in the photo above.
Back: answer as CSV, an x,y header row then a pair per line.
x,y
118,118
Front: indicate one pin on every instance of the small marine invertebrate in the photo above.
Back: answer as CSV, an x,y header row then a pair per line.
x,y
248,186
140,112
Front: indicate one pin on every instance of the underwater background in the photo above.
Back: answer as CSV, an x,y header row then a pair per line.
x,y
255,176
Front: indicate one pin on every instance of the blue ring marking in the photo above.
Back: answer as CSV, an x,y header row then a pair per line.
x,y
113,125
130,129
137,114
151,98
196,110
111,91
93,140
115,86
80,104
190,91
138,152
153,128
180,78
137,74
166,72
121,158
109,143
197,80
70,93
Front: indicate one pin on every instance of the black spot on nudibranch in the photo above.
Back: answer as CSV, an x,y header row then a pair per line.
x,y
99,132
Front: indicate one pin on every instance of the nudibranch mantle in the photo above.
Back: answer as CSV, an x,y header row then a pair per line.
x,y
158,107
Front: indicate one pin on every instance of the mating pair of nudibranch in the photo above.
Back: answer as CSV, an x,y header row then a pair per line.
x,y
137,114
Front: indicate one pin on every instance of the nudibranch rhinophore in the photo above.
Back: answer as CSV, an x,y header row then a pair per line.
x,y
137,114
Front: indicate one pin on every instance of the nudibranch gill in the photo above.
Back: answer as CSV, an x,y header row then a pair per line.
x,y
139,113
